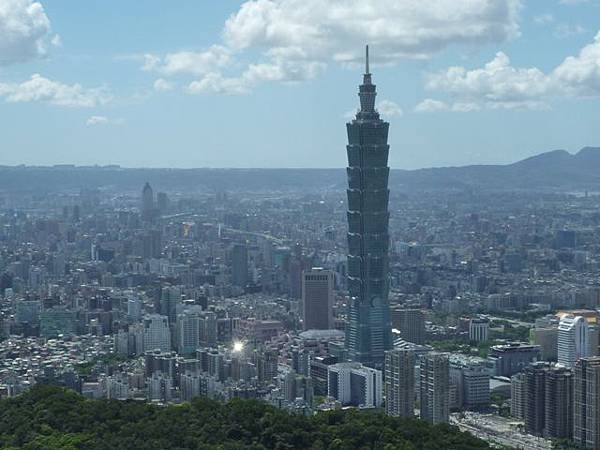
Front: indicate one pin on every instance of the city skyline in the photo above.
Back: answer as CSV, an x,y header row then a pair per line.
x,y
248,276
497,81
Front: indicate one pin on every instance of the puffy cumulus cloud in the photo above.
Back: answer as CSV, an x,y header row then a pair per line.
x,y
389,108
580,75
288,41
337,29
188,62
499,85
25,31
275,71
40,89
497,82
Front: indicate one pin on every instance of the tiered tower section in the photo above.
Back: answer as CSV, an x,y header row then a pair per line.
x,y
368,331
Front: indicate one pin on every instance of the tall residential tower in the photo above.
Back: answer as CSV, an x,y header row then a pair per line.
x,y
368,332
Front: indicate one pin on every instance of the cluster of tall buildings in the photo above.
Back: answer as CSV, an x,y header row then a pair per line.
x,y
555,396
559,402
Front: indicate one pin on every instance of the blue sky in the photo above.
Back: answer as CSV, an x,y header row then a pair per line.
x,y
271,83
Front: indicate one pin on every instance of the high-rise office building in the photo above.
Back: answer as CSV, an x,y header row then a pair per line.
x,y
479,329
157,335
586,405
354,384
369,331
28,311
117,387
162,202
188,331
134,308
266,365
298,386
546,336
190,385
151,244
509,359
559,403
317,299
535,398
160,361
410,323
159,387
475,387
239,265
546,399
209,329
170,297
517,396
147,202
400,382
434,388
574,339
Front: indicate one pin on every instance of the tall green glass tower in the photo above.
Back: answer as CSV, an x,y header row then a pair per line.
x,y
368,330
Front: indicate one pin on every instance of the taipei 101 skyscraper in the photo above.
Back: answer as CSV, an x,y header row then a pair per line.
x,y
368,330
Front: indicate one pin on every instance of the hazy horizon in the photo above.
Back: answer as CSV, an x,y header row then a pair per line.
x,y
273,168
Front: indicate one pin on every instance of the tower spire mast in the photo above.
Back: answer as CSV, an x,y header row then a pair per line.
x,y
367,59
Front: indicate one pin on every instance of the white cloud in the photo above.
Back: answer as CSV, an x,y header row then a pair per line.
x,y
96,120
543,19
338,29
56,41
497,81
25,31
564,30
580,75
215,83
574,2
103,120
188,62
294,40
389,108
465,107
162,85
40,89
431,105
499,85
278,70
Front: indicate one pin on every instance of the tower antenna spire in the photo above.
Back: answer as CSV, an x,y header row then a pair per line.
x,y
367,59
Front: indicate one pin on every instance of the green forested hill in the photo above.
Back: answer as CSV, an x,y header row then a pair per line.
x,y
49,418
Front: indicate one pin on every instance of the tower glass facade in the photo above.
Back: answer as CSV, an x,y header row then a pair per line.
x,y
368,332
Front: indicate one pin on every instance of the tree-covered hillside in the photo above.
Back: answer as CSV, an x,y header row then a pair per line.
x,y
48,418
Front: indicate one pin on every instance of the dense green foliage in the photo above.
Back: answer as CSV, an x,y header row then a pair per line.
x,y
48,418
480,349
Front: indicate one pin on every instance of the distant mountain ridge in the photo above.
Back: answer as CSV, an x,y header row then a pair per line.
x,y
553,170
557,169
